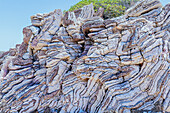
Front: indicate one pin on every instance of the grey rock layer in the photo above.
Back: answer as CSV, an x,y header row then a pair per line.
x,y
82,63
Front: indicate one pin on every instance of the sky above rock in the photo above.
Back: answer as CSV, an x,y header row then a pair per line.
x,y
15,15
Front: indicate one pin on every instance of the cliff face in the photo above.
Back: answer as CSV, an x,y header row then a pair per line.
x,y
81,63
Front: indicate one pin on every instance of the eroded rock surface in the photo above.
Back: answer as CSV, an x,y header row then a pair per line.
x,y
82,63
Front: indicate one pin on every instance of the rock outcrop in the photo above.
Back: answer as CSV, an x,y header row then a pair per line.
x,y
81,63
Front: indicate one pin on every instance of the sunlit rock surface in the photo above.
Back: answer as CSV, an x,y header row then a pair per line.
x,y
79,62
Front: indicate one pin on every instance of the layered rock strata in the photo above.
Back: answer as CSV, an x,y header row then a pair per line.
x,y
82,63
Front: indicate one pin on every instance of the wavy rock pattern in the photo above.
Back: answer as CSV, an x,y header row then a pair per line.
x,y
81,63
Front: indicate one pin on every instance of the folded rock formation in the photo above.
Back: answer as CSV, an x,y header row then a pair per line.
x,y
82,63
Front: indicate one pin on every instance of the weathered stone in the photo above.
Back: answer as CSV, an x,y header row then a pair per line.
x,y
21,62
27,32
82,63
143,6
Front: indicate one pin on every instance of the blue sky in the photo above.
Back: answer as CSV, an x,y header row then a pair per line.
x,y
15,15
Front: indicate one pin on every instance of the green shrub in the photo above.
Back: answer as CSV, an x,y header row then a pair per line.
x,y
113,8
